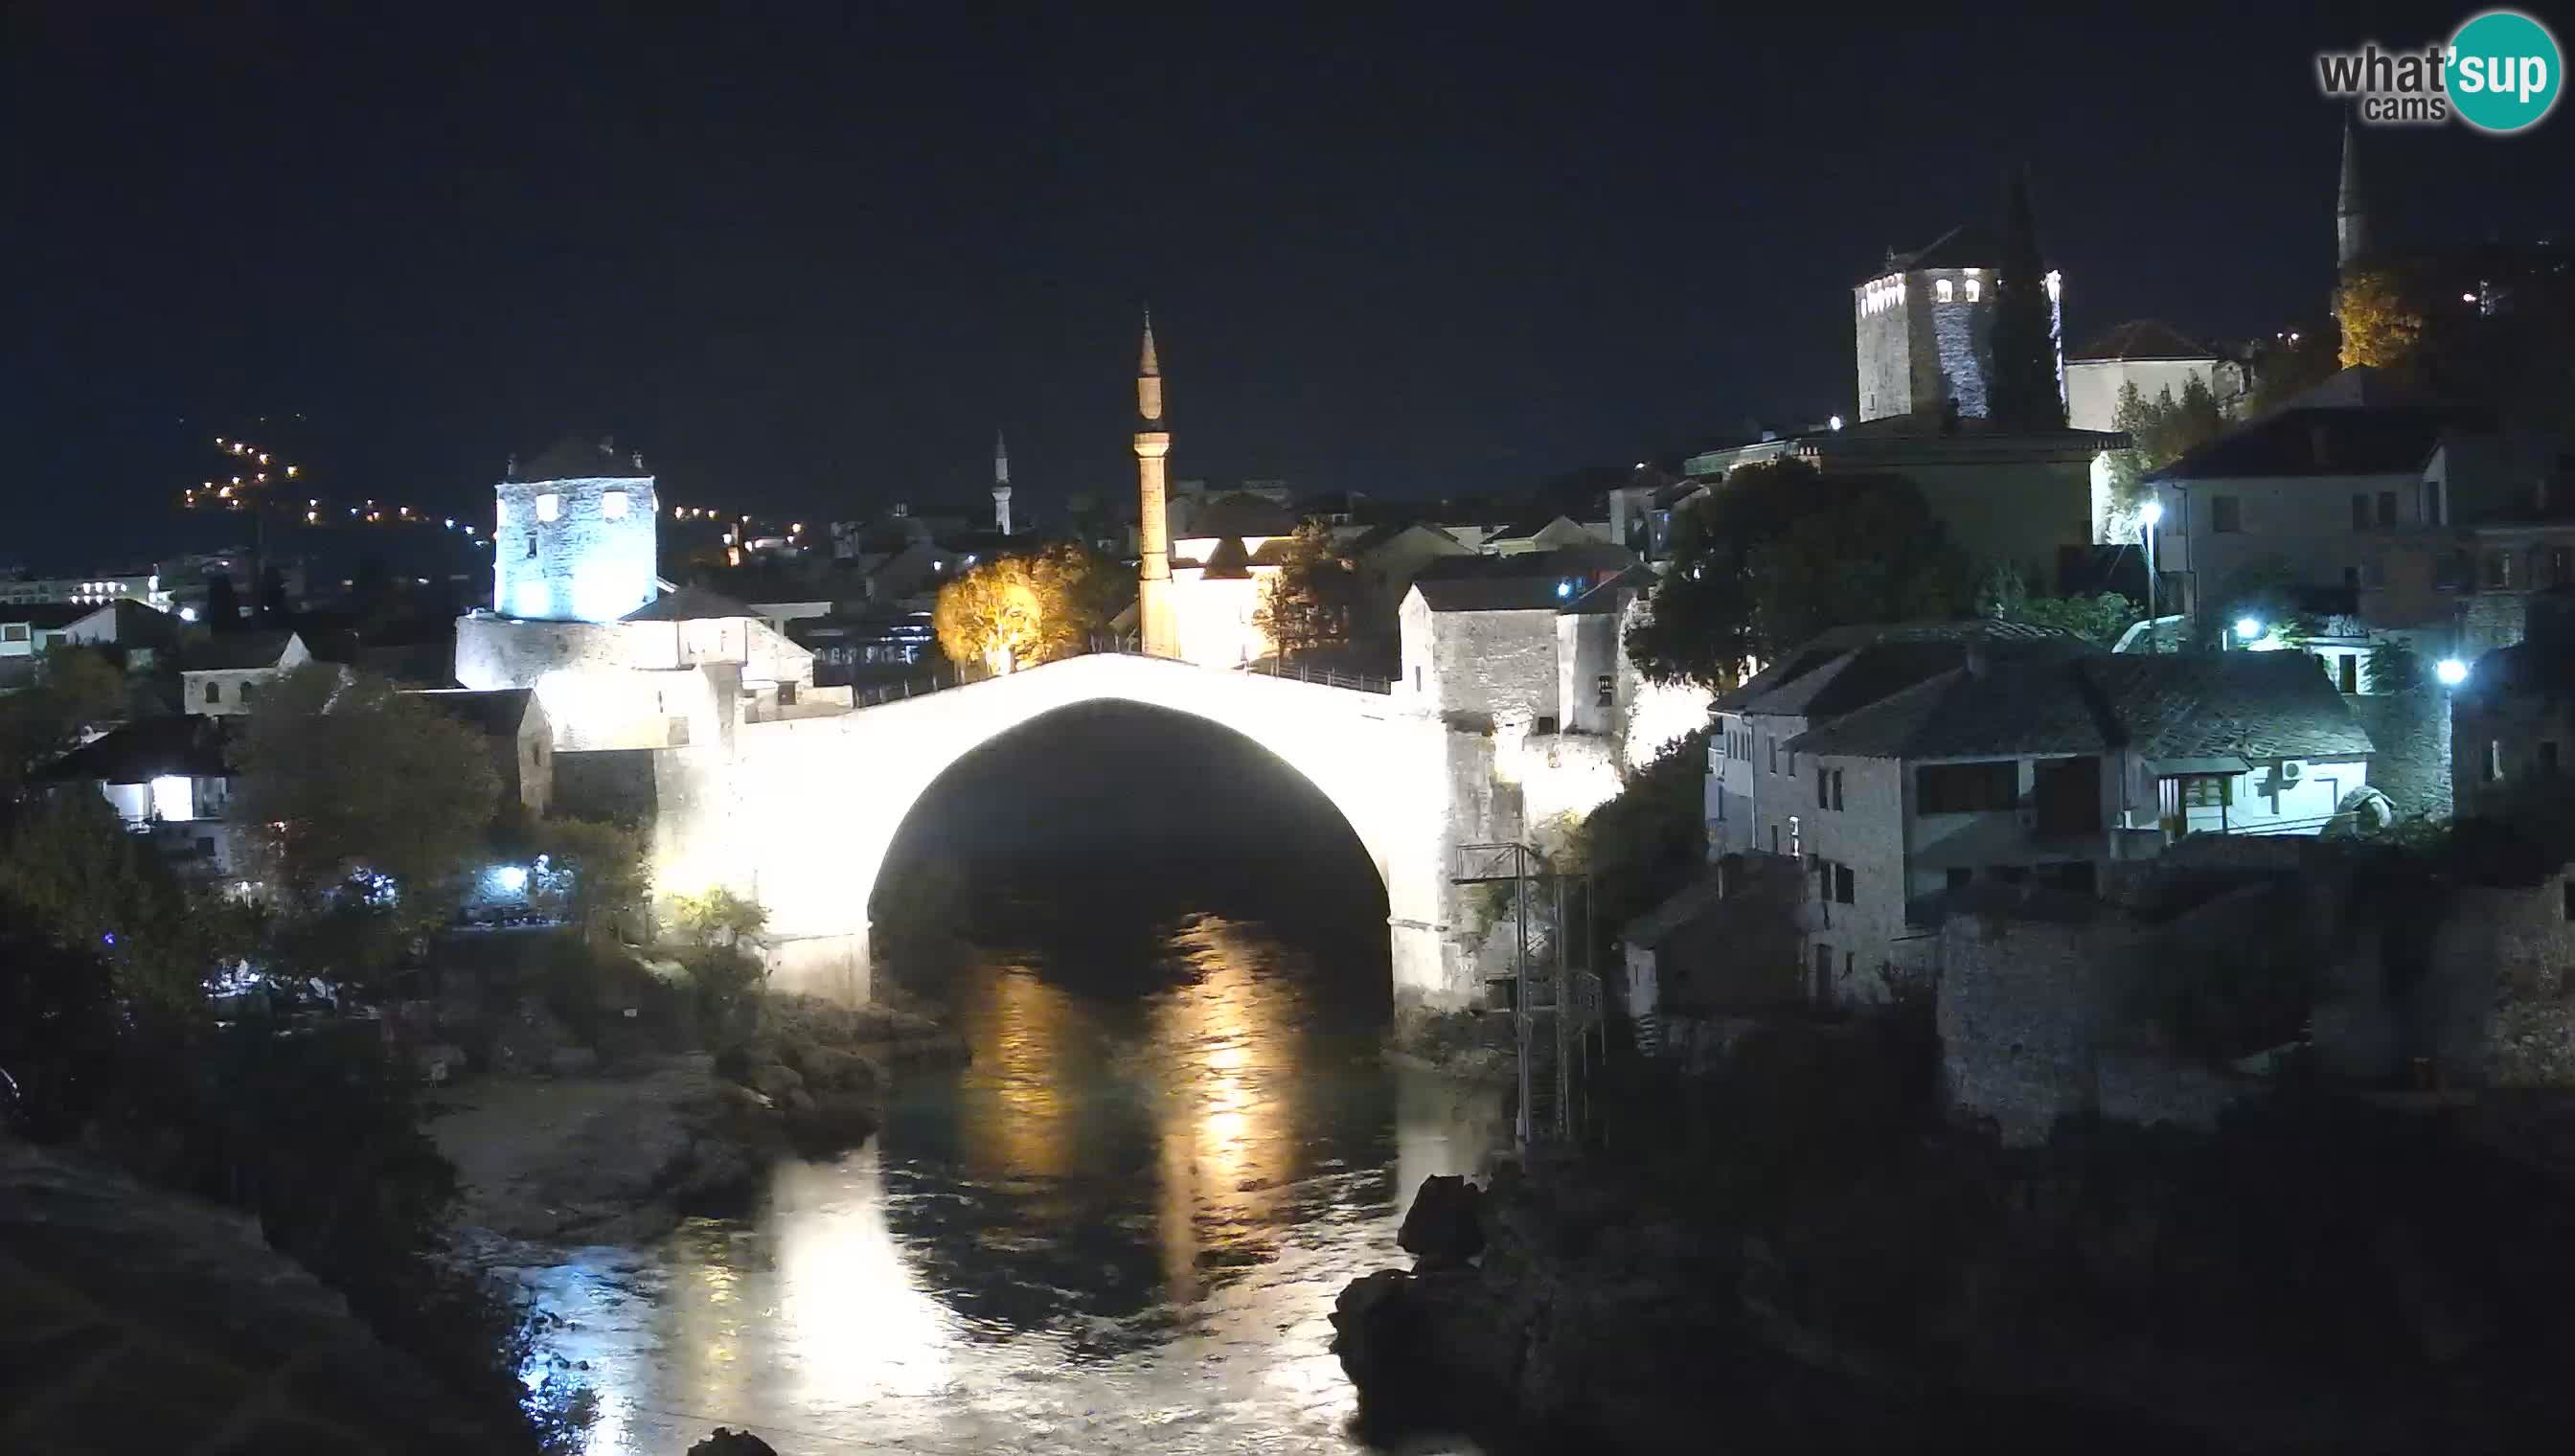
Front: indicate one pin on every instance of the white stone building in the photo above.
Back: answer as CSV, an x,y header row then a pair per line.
x,y
224,674
573,536
2154,356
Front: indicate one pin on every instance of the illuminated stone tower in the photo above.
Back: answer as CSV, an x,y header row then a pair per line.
x,y
1154,616
574,537
2351,207
1000,484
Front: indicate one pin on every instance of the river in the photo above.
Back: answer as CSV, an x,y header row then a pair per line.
x,y
1122,1227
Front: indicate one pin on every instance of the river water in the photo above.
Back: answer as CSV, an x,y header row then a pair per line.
x,y
1122,1227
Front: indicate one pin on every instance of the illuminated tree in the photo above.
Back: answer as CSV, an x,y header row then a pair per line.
x,y
2159,432
2381,324
1016,612
1311,602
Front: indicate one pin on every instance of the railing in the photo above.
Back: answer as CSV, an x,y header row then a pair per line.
x,y
1308,673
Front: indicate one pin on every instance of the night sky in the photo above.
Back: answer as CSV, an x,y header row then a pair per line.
x,y
809,259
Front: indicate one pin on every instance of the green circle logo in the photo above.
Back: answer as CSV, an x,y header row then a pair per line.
x,y
2505,71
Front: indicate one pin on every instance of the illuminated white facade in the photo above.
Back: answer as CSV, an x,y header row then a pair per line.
x,y
574,550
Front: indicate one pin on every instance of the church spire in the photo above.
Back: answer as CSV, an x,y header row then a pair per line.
x,y
2351,205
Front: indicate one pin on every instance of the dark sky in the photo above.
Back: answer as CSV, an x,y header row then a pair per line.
x,y
809,257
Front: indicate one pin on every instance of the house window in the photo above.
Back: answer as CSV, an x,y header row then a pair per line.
x,y
2225,514
612,504
1955,788
1824,789
2492,769
2359,512
1607,687
1975,289
1774,756
549,507
214,690
2349,666
2209,790
1416,678
1943,290
2387,507
2561,566
787,694
248,691
1824,970
1543,725
1796,839
2432,512
532,548
2498,572
1838,789
1841,885
1774,839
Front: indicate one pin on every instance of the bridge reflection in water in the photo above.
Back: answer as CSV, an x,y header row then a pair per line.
x,y
1121,1226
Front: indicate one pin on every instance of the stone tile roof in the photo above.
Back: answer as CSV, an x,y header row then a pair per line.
x,y
1489,593
149,748
1242,513
1770,689
46,616
575,458
1608,596
689,604
2328,441
1966,246
2253,705
232,652
2143,339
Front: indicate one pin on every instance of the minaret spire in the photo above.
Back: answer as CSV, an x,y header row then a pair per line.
x,y
2351,205
1000,484
1156,623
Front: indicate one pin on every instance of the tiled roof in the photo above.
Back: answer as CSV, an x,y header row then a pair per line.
x,y
231,652
1569,561
2253,705
1608,596
1965,246
1489,593
2143,339
1763,692
689,604
1242,513
46,616
574,458
2326,440
149,748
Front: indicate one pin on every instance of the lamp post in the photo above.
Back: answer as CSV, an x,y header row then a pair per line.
x,y
2150,516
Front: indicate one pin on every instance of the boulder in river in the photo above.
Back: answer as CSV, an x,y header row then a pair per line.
x,y
1443,1229
732,1443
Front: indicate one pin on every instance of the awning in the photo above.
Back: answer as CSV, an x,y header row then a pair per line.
x,y
2187,768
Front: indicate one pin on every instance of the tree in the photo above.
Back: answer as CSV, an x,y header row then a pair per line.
x,y
1014,611
70,873
2382,325
223,603
2102,618
1310,603
2291,365
375,803
589,872
715,917
75,689
1778,552
2159,432
2394,667
2026,393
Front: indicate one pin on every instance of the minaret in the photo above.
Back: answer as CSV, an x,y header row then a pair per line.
x,y
2351,207
1000,484
1161,630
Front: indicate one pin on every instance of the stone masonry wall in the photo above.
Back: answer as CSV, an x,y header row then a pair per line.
x,y
2411,734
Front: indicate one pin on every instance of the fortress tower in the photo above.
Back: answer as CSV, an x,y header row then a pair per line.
x,y
1155,619
574,540
1000,484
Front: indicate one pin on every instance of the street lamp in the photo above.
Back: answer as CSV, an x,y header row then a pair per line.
x,y
2150,515
2451,672
2247,629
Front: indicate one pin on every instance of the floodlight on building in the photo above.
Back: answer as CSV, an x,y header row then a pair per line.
x,y
2151,513
187,614
2451,672
2247,628
1565,589
1835,423
511,877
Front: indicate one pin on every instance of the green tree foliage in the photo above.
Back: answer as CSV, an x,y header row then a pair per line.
x,y
596,873
223,603
2026,393
70,874
1778,552
2290,366
1312,601
715,917
2101,619
2160,431
76,689
1647,842
354,779
2393,667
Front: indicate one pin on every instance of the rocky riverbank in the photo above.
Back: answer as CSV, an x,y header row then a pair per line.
x,y
621,1155
2321,1280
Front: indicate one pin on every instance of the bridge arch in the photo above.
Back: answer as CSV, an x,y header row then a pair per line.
x,y
814,805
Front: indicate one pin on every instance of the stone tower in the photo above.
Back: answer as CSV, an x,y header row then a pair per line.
x,y
1154,616
1000,484
575,535
2351,207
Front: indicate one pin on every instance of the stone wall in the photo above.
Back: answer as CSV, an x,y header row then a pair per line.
x,y
2411,734
1494,664
585,564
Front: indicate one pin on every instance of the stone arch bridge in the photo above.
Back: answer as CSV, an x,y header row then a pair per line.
x,y
800,812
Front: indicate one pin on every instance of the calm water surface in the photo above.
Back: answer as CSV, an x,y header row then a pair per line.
x,y
1121,1228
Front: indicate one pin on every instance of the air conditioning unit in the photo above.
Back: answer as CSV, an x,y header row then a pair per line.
x,y
2290,770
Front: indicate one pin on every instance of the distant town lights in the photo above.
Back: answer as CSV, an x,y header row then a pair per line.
x,y
2451,672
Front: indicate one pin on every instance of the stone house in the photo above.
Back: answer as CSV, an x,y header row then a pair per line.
x,y
170,779
2154,356
1388,557
1479,632
2512,721
1643,510
222,675
2038,772
1725,943
513,722
575,535
1557,533
1753,806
